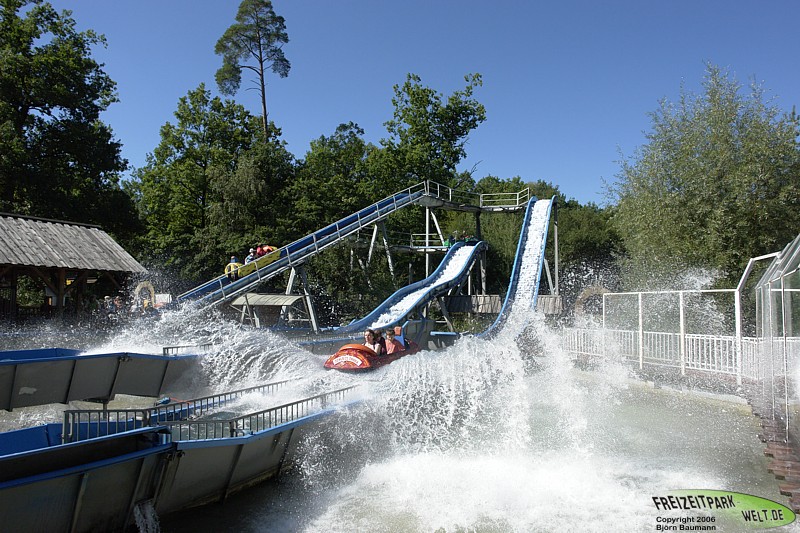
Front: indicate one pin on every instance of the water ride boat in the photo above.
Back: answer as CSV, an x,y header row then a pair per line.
x,y
359,358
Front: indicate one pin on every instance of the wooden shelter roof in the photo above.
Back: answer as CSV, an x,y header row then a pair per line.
x,y
31,241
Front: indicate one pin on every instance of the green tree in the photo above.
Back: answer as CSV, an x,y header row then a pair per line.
x,y
333,182
255,43
428,134
718,182
57,159
253,195
176,188
330,180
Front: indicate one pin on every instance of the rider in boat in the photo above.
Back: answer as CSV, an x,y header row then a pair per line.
x,y
371,342
392,344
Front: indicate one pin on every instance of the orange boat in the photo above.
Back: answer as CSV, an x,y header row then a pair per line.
x,y
358,358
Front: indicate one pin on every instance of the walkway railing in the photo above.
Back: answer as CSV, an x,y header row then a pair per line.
x,y
759,357
488,200
83,424
295,253
254,422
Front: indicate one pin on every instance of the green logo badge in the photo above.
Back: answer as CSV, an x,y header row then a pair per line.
x,y
698,510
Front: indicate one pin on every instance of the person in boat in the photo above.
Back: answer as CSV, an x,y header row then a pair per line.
x,y
371,343
393,345
251,256
264,249
379,338
231,269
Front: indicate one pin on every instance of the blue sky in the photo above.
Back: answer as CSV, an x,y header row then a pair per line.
x,y
567,85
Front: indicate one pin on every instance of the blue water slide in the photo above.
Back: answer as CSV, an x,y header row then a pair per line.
x,y
222,289
428,288
530,248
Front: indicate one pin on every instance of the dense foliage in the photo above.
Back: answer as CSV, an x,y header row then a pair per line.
x,y
57,159
717,183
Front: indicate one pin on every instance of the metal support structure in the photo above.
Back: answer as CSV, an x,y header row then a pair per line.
x,y
482,267
372,242
388,251
549,279
438,228
289,289
427,241
445,313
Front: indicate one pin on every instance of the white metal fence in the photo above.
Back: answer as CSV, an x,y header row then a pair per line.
x,y
755,359
683,330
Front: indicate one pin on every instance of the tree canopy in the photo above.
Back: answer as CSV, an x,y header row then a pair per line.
x,y
255,43
57,158
428,133
717,183
181,181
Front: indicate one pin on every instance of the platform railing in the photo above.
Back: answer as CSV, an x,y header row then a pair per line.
x,y
488,200
83,424
254,422
506,199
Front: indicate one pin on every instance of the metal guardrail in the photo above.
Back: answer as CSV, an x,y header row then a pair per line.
x,y
219,288
187,349
715,354
506,199
501,199
254,422
83,424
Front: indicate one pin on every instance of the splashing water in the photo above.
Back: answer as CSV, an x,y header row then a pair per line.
x,y
482,436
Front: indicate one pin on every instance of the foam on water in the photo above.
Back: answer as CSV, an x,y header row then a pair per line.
x,y
465,440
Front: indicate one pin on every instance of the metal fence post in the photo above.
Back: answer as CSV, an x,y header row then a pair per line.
x,y
682,333
641,333
737,298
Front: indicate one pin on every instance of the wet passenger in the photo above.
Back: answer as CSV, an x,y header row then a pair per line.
x,y
380,339
370,342
232,267
393,345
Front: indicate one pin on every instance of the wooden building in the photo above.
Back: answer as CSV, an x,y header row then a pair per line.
x,y
66,257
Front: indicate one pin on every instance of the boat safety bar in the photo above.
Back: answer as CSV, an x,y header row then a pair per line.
x,y
83,424
254,422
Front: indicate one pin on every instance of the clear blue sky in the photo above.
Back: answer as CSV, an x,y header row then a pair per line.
x,y
567,84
